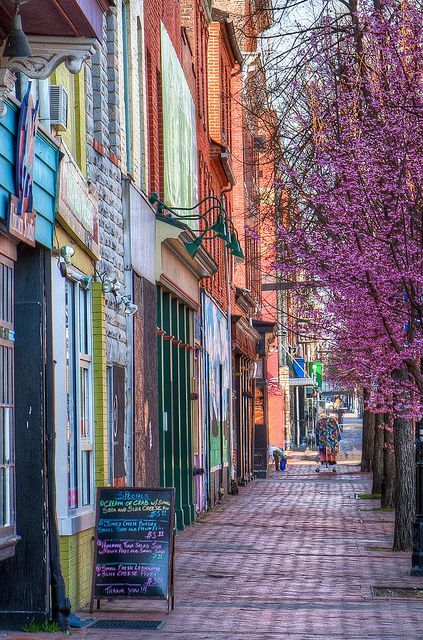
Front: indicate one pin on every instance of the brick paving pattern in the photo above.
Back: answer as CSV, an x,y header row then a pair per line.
x,y
290,557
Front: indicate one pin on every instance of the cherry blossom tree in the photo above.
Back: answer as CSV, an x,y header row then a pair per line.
x,y
351,170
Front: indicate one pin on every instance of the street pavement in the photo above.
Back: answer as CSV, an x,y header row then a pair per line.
x,y
294,556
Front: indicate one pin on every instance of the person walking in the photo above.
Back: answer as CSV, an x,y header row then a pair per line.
x,y
276,458
328,437
338,406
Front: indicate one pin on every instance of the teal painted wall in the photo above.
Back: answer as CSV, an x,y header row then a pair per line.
x,y
45,175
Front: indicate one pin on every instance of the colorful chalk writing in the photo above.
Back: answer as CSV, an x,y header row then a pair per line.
x,y
134,543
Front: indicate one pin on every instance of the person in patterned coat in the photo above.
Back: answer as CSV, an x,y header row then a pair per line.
x,y
328,437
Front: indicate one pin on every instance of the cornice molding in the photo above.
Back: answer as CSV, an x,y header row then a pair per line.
x,y
48,53
243,325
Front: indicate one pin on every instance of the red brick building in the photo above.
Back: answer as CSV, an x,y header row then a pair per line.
x,y
216,44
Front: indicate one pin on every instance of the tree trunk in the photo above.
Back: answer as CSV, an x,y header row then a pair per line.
x,y
377,462
368,439
405,495
388,485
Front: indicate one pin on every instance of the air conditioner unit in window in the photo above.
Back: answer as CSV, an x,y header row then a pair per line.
x,y
58,107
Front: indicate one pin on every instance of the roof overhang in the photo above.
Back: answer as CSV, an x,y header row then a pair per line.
x,y
68,18
58,31
244,337
221,153
245,300
223,17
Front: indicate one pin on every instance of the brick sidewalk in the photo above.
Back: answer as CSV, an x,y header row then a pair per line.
x,y
290,557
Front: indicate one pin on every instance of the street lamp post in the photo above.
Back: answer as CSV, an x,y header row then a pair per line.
x,y
417,556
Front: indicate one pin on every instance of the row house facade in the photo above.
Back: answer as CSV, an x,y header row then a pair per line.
x,y
130,276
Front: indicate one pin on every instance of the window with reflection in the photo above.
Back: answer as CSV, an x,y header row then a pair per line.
x,y
79,393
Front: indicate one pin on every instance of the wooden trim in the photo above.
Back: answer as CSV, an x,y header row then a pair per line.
x,y
8,250
176,291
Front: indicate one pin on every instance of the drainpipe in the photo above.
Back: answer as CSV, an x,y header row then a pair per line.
x,y
229,325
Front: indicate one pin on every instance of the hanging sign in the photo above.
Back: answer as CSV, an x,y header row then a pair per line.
x,y
21,214
315,368
134,544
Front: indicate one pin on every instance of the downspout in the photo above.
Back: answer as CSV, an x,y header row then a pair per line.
x,y
229,328
126,88
59,601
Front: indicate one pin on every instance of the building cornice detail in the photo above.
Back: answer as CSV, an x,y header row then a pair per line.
x,y
48,53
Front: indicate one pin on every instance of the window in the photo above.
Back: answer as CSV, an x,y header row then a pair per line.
x,y
7,454
79,395
141,99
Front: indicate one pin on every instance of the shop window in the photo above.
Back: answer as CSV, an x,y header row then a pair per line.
x,y
7,455
79,393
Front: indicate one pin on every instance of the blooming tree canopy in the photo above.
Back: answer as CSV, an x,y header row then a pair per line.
x,y
354,178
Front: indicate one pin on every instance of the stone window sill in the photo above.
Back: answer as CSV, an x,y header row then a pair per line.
x,y
77,523
7,545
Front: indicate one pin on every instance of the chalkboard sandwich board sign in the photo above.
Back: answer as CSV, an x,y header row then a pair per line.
x,y
134,544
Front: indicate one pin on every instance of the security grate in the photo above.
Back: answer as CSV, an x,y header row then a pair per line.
x,y
128,624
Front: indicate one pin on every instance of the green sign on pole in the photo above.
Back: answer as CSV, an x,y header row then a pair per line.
x,y
316,372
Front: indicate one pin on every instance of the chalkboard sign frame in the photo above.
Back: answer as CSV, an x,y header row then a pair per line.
x,y
170,592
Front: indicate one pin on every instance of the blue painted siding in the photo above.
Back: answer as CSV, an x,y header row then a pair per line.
x,y
44,189
45,175
8,126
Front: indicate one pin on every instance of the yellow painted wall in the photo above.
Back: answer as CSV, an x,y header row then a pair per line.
x,y
75,136
80,260
100,386
76,554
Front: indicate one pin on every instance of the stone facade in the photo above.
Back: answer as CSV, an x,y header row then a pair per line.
x,y
103,139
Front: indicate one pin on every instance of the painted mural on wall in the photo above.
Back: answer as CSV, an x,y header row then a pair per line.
x,y
217,381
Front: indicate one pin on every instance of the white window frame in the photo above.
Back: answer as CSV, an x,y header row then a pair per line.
x,y
8,536
82,517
